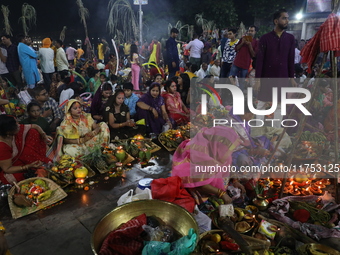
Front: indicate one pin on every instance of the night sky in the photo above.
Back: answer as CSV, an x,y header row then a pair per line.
x,y
52,15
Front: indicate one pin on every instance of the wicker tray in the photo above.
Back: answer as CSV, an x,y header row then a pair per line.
x,y
155,146
18,212
127,160
256,244
167,148
64,182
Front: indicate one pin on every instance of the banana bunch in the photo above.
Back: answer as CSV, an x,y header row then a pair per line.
x,y
65,161
313,137
44,196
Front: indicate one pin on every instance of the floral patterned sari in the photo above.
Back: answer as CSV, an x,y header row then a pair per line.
x,y
70,129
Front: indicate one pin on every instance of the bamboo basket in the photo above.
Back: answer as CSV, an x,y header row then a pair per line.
x,y
256,244
64,182
167,148
18,212
128,159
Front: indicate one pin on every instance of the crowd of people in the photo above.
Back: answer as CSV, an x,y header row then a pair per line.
x,y
92,101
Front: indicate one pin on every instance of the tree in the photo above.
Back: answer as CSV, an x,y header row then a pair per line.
x,y
122,20
263,12
29,17
5,12
84,14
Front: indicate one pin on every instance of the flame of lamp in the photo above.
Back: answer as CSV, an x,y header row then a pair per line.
x,y
80,180
120,154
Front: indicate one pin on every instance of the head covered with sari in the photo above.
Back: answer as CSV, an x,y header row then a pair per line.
x,y
98,97
68,116
210,148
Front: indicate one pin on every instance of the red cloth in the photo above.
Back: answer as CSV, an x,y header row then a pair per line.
x,y
171,190
30,148
243,57
126,240
326,39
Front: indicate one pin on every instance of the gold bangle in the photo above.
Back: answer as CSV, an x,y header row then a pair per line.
x,y
221,194
22,169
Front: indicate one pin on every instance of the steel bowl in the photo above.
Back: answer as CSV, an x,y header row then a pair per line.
x,y
4,190
175,216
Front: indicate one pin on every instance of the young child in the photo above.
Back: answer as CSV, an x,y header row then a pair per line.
x,y
34,117
130,98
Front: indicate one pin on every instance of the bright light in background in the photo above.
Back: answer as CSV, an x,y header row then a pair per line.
x,y
299,16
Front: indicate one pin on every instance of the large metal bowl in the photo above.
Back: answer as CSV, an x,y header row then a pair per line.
x,y
177,217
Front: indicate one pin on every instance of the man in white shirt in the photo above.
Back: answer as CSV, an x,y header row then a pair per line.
x,y
61,60
215,70
46,56
196,46
202,72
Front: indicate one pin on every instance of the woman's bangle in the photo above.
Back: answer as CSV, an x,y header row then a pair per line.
x,y
78,141
220,193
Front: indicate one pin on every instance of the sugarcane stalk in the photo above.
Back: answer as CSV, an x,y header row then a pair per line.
x,y
301,127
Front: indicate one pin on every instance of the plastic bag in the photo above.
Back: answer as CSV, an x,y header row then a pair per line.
x,y
183,246
203,221
165,127
125,198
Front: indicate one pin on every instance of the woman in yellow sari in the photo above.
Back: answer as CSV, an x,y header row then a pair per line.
x,y
80,132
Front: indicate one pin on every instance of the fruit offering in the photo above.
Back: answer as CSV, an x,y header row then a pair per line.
x,y
171,138
67,165
32,193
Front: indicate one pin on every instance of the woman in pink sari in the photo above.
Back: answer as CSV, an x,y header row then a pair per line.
x,y
174,105
210,147
21,147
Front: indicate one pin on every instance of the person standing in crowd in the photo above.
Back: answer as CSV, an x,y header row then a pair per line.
x,y
71,54
12,62
155,51
46,56
172,53
135,66
3,59
196,47
246,50
61,60
28,61
275,59
229,53
80,52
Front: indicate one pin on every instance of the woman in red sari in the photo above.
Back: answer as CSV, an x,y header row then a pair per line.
x,y
174,105
21,147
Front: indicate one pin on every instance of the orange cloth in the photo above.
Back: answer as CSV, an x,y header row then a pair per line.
x,y
46,43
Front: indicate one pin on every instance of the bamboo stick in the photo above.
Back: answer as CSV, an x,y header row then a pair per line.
x,y
335,107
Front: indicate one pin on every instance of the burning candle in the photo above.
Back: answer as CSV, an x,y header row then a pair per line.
x,y
307,192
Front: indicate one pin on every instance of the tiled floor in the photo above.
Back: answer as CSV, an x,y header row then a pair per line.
x,y
66,228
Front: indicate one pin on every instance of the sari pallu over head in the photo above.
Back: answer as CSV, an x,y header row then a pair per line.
x,y
70,128
209,149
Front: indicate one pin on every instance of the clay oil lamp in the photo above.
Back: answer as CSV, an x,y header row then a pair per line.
x,y
295,192
306,192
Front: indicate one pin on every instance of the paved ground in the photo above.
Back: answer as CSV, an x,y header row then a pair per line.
x,y
66,228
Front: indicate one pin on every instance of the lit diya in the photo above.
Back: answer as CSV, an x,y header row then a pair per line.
x,y
325,182
306,192
295,192
319,184
316,190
